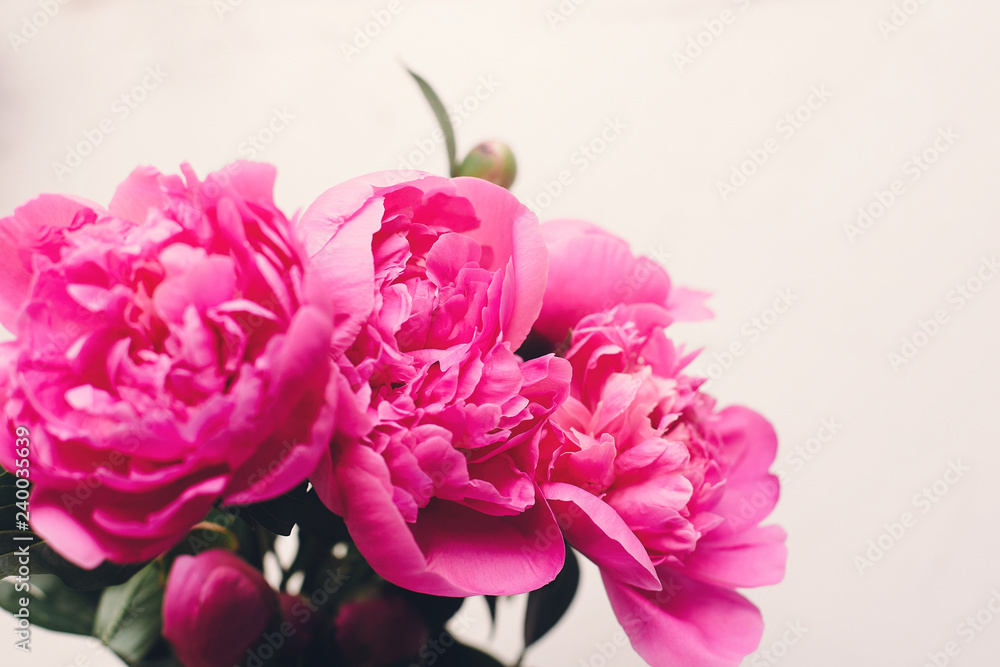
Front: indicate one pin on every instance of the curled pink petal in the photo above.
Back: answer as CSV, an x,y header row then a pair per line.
x,y
594,529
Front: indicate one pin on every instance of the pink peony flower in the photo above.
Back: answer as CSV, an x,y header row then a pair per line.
x,y
378,631
659,488
437,479
216,607
171,352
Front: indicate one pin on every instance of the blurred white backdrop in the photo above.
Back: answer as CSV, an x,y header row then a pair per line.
x,y
806,112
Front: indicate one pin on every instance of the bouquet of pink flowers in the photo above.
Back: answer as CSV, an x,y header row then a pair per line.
x,y
441,397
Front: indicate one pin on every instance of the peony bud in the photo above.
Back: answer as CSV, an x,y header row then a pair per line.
x,y
216,607
378,631
491,161
300,618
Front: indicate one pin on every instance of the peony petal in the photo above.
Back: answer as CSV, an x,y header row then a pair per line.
x,y
754,557
594,529
443,553
250,181
687,623
449,255
513,234
749,447
591,271
750,443
16,233
688,305
15,279
64,533
340,250
139,193
521,551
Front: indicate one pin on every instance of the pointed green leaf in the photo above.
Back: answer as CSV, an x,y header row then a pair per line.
x,y
548,604
162,655
453,654
129,616
51,603
442,118
434,609
280,514
491,602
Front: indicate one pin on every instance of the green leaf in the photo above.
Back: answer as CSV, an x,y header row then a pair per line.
x,y
460,655
9,546
280,514
315,518
43,559
491,602
434,609
549,603
104,575
51,604
129,616
442,118
162,655
204,536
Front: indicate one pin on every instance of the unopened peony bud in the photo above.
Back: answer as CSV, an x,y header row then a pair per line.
x,y
379,631
491,161
215,608
301,619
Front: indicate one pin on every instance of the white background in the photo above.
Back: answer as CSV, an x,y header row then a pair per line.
x,y
687,126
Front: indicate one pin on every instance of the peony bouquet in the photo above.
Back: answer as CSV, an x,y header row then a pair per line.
x,y
438,396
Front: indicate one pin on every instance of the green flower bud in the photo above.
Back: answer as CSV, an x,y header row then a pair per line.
x,y
491,161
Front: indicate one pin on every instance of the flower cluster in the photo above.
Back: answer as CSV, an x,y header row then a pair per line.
x,y
467,390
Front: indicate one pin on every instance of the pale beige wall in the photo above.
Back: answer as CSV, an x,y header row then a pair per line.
x,y
686,126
